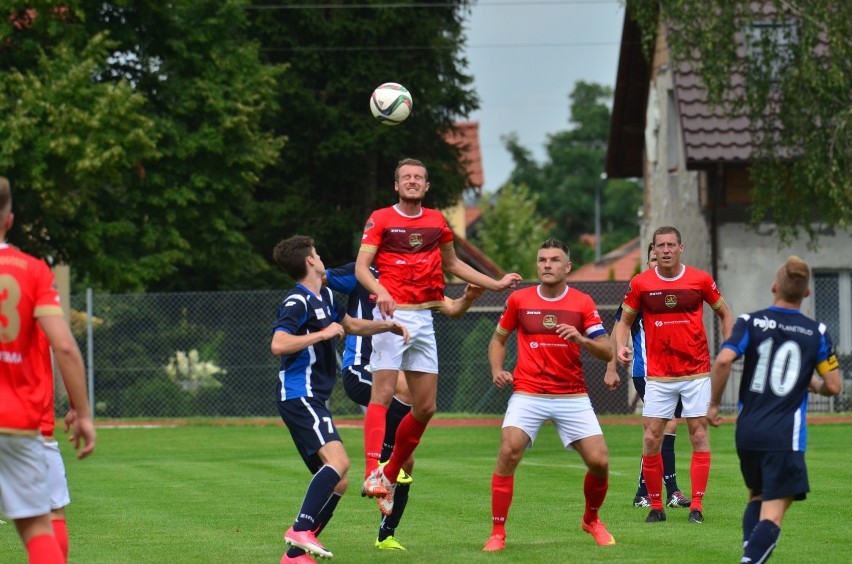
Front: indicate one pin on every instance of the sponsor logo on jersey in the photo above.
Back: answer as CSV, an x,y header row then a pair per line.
x,y
765,323
534,344
670,300
319,313
415,239
549,321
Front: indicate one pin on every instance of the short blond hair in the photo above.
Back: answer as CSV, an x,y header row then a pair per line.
x,y
792,279
5,194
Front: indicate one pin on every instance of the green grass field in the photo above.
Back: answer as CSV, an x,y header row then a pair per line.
x,y
226,494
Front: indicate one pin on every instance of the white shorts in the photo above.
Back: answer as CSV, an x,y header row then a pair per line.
x,y
23,477
661,397
421,352
574,417
56,480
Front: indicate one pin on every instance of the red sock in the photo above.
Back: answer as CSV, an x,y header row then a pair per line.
x,y
374,434
699,474
594,488
502,488
407,438
60,531
44,549
652,468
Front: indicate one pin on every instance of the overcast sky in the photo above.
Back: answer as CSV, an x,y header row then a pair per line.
x,y
525,57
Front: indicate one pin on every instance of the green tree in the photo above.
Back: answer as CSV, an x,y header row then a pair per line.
x,y
511,229
566,183
338,163
133,138
791,79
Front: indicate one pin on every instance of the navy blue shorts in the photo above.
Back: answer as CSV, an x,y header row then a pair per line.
x,y
639,386
775,474
311,426
357,383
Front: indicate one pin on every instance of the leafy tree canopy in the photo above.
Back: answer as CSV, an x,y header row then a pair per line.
x,y
787,67
564,186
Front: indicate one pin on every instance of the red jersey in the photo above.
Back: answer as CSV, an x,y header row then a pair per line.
x,y
672,314
27,291
408,255
547,363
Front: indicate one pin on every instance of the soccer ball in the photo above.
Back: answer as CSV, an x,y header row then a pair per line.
x,y
391,103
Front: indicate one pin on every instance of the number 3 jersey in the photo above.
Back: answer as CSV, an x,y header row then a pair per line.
x,y
782,348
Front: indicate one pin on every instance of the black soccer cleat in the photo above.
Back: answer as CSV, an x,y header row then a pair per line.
x,y
695,516
655,516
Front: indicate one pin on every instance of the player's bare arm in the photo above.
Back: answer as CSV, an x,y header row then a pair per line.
x,y
718,380
384,301
496,357
830,384
624,354
599,347
455,308
452,264
285,343
70,363
368,328
611,378
726,318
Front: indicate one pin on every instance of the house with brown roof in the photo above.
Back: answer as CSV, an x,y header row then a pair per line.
x,y
465,135
694,166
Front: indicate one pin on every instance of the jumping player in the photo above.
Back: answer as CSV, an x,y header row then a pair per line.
x,y
307,326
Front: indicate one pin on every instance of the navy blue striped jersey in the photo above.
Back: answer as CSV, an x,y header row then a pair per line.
x,y
640,352
781,349
312,371
361,302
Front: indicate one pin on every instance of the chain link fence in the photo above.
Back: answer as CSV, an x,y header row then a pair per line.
x,y
208,355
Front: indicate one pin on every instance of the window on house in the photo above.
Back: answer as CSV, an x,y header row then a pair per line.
x,y
770,46
833,304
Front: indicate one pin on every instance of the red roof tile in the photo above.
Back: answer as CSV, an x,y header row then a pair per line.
x,y
620,264
466,136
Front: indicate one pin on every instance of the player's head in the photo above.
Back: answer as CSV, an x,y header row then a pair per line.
x,y
6,216
553,262
667,246
792,280
411,180
651,256
292,255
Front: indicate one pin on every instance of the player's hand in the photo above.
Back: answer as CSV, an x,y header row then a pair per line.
x,y
501,379
509,281
625,356
70,418
815,385
472,292
569,333
333,330
401,330
83,429
611,379
713,417
386,304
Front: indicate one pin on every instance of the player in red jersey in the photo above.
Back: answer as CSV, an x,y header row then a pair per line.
x,y
671,298
412,247
554,322
28,298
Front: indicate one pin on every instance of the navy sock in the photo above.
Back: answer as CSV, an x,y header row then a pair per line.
x,y
669,473
642,490
391,522
396,411
751,516
319,491
762,541
326,512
